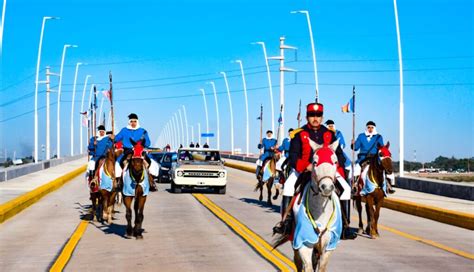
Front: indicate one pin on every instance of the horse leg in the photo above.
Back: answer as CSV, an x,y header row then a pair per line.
x,y
269,191
358,202
141,206
370,216
277,192
297,260
306,255
377,214
110,206
261,191
127,200
323,261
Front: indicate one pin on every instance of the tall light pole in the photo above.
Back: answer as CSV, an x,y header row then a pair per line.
x,y
72,107
178,134
192,134
402,141
207,116
231,114
2,26
100,110
173,131
269,82
182,127
246,105
199,134
81,144
218,133
58,121
305,12
186,123
283,69
36,84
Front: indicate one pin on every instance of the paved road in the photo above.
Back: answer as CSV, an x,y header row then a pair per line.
x,y
182,234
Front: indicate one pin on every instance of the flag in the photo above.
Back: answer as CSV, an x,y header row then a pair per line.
x,y
85,118
298,117
349,107
107,94
280,119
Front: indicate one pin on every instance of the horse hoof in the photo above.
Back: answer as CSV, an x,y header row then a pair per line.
x,y
139,237
360,231
260,198
275,197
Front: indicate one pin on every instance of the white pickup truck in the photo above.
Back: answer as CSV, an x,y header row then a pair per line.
x,y
199,167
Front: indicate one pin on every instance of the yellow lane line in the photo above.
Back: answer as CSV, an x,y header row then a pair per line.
x,y
67,251
261,246
425,241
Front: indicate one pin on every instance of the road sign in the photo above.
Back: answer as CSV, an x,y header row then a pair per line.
x,y
207,134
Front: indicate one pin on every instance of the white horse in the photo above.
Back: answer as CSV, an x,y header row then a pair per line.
x,y
317,212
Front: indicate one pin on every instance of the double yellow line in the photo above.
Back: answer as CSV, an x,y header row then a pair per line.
x,y
256,242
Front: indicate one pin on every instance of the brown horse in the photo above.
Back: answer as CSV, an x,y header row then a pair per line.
x,y
135,186
269,180
373,189
108,183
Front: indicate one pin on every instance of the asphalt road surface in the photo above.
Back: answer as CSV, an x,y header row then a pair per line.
x,y
183,233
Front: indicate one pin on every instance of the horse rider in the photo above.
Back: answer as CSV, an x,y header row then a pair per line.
x,y
98,146
136,133
367,145
168,148
301,159
197,145
205,145
191,145
268,144
284,148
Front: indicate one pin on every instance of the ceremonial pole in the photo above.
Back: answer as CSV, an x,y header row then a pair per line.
x,y
261,126
111,103
353,134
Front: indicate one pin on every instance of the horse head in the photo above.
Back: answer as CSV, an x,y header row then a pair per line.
x,y
137,160
324,164
118,149
385,157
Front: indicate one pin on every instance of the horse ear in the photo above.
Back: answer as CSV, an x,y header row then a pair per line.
x,y
388,144
314,145
133,142
334,145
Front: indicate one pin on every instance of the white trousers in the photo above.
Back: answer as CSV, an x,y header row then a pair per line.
x,y
289,186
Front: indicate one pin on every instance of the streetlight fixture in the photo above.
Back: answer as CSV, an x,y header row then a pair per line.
x,y
207,116
218,136
231,114
58,125
246,105
269,82
36,83
402,141
81,144
305,12
72,107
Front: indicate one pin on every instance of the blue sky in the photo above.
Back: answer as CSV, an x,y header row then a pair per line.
x,y
162,52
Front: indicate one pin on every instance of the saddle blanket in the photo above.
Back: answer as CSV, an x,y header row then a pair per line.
x,y
105,181
369,186
129,185
305,234
267,172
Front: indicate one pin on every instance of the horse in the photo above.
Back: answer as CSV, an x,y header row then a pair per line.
x,y
317,212
269,173
108,183
135,186
373,188
95,195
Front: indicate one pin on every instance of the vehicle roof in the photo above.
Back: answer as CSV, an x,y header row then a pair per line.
x,y
198,149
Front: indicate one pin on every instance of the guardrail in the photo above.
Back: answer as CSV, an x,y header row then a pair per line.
x,y
442,188
18,171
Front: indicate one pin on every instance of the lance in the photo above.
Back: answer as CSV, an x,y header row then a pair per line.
x,y
280,121
261,126
299,115
111,103
94,117
353,132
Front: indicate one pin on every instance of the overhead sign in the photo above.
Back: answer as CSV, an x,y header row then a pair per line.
x,y
207,134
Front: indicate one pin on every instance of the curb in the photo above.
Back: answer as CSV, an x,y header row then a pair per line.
x,y
458,219
16,205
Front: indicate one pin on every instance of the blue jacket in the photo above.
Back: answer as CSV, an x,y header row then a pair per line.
x,y
285,146
340,137
135,134
101,148
267,144
367,146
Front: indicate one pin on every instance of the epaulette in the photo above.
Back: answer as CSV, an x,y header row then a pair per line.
x,y
294,132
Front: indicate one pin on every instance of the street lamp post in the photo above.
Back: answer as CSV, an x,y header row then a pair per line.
x,y
72,107
207,116
58,121
199,134
2,26
182,127
218,136
178,134
402,141
36,85
305,12
186,123
269,82
192,134
246,105
231,114
81,144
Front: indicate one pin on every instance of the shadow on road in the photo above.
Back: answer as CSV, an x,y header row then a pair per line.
x,y
262,204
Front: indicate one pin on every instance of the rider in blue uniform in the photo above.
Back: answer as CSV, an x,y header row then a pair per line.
x,y
98,146
332,126
285,145
268,144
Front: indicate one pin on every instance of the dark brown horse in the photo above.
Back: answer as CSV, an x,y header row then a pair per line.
x,y
269,181
135,186
108,184
372,182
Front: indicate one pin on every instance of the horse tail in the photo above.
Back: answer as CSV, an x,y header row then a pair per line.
x,y
258,186
280,240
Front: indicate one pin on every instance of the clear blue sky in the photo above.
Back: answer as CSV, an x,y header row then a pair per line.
x,y
142,41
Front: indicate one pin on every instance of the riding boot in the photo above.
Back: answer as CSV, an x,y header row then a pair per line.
x,y
284,227
284,204
390,189
152,184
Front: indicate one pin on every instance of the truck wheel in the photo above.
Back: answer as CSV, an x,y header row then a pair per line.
x,y
176,189
220,190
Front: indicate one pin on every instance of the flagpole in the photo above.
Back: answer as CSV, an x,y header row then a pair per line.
x,y
111,103
353,133
299,115
261,126
94,116
280,122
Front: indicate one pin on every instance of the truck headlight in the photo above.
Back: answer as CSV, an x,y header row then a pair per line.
x,y
221,174
179,173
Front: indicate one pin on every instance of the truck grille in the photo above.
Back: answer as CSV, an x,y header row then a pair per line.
x,y
201,174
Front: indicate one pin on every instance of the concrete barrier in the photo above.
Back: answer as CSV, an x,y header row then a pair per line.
x,y
18,171
437,187
16,205
459,219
